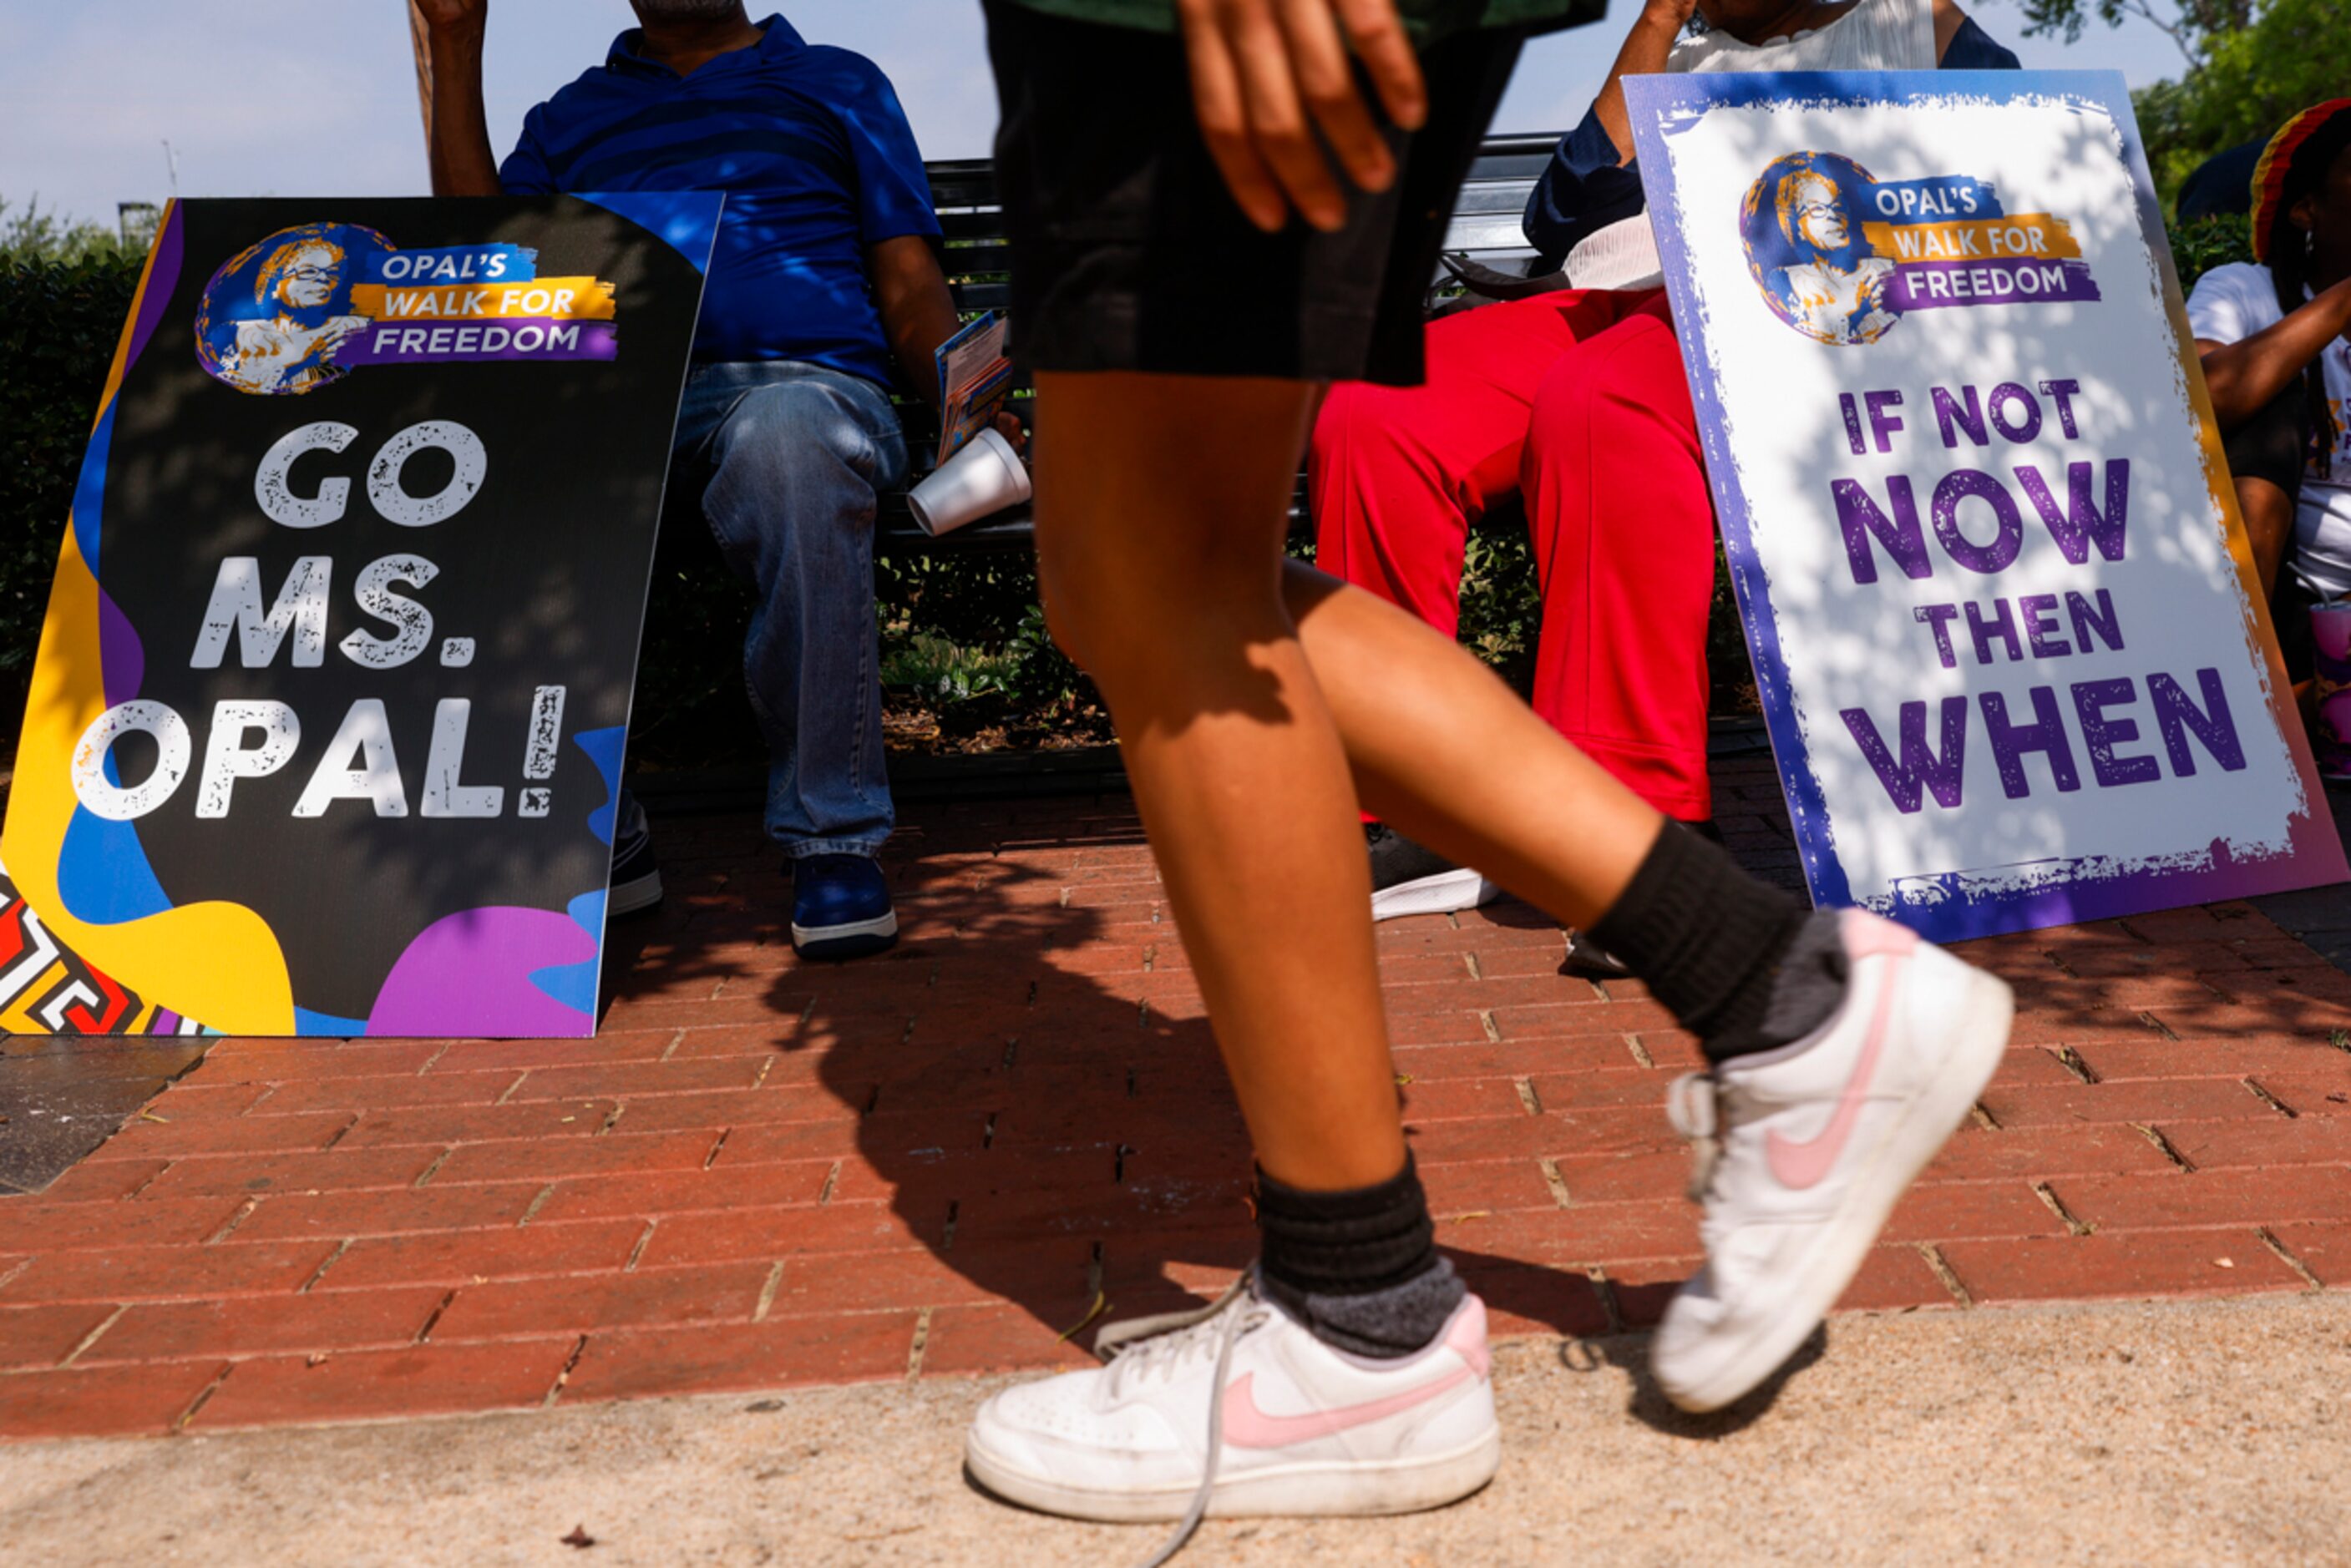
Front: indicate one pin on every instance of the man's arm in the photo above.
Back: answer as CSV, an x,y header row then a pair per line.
x,y
918,308
1644,54
2244,376
449,72
1948,20
1590,184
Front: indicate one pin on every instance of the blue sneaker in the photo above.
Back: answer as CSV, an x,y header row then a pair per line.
x,y
840,906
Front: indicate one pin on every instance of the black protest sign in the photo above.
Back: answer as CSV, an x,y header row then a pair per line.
x,y
325,731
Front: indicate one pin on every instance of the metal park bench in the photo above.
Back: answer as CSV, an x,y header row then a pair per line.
x,y
1485,228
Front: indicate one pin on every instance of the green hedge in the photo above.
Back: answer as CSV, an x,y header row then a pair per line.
x,y
963,641
58,324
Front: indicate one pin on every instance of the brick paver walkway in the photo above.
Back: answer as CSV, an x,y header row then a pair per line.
x,y
764,1173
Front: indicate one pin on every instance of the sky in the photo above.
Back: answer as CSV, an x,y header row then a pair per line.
x,y
313,98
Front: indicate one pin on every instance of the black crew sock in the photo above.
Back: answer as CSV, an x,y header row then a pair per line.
x,y
1742,964
1359,1268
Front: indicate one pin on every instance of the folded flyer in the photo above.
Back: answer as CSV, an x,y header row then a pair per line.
x,y
975,379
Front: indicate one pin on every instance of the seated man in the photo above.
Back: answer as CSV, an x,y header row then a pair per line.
x,y
1575,402
825,272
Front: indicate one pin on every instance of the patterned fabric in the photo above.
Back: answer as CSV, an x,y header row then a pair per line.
x,y
2302,149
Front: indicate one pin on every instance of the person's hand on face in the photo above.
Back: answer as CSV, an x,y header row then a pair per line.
x,y
1268,74
1676,11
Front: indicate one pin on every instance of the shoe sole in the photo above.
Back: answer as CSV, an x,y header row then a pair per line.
x,y
852,938
1904,1150
636,894
1443,894
1325,1490
1581,964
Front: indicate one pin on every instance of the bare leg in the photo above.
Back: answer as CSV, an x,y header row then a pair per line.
x,y
1160,514
1445,751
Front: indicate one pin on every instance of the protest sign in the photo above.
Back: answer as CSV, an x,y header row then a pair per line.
x,y
2005,626
326,728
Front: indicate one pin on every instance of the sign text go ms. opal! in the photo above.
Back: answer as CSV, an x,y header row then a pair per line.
x,y
253,738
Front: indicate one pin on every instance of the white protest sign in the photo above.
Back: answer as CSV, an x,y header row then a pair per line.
x,y
2003,619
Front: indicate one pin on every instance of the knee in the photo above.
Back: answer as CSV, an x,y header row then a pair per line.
x,y
1124,620
790,428
1074,590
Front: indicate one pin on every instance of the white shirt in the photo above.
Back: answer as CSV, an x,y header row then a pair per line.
x,y
1874,36
2229,305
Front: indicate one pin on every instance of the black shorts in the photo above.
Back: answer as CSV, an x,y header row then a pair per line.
x,y
1128,253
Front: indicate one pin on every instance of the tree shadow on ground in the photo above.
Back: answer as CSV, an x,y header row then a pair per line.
x,y
1025,1098
1027,1082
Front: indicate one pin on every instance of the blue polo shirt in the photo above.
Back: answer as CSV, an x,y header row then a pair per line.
x,y
817,161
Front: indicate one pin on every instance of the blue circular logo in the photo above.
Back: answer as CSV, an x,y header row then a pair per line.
x,y
1801,221
273,316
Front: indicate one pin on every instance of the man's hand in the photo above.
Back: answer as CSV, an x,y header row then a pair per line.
x,y
1267,73
452,17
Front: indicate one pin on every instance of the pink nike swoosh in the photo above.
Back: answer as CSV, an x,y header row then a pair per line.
x,y
1803,1165
1247,1426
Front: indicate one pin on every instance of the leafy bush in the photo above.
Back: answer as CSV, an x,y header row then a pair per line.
x,y
2254,64
59,320
28,234
2200,246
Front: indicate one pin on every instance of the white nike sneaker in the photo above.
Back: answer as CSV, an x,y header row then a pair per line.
x,y
1804,1151
1237,1409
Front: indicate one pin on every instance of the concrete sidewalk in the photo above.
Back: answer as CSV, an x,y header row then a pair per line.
x,y
2206,1433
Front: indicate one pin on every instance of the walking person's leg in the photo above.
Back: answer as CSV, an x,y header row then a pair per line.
x,y
795,456
1844,1051
1347,1373
1177,348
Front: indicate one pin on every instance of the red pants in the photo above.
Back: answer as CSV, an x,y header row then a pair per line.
x,y
1575,401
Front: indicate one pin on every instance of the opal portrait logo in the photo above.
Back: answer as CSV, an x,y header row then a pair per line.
x,y
1840,255
305,307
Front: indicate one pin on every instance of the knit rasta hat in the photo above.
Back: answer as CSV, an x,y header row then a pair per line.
x,y
2292,163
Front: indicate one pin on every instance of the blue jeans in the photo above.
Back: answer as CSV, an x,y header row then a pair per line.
x,y
792,456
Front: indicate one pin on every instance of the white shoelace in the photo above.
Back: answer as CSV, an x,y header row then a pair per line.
x,y
1148,1347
